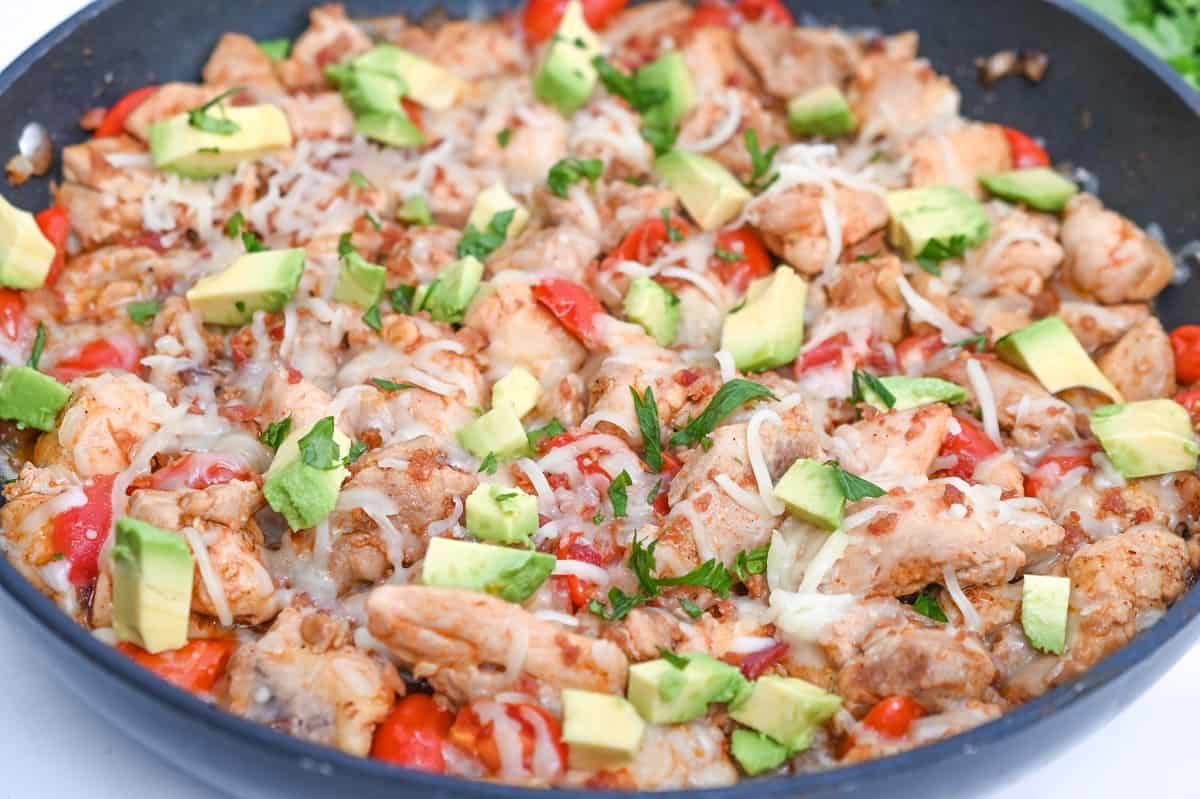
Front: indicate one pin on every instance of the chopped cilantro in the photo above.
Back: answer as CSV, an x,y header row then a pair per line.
x,y
276,432
39,344
317,447
569,171
761,176
729,398
142,311
617,493
646,410
482,243
200,118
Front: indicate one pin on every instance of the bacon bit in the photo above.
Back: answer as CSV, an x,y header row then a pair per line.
x,y
883,524
756,663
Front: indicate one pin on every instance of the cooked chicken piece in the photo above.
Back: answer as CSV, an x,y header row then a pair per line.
x,y
438,633
868,744
642,26
997,605
893,448
713,111
1141,364
959,158
169,100
318,116
714,61
1094,507
1000,470
96,218
419,253
106,420
671,758
97,285
477,50
331,37
1109,257
1001,315
117,166
237,60
898,97
520,332
792,61
537,136
616,208
564,249
793,225
871,285
1020,255
1097,325
679,393
28,522
306,678
304,402
644,633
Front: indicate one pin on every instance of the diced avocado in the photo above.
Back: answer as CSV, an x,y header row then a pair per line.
x,y
1049,351
1146,438
303,494
178,146
787,709
1044,604
502,514
667,74
1041,188
518,389
566,78
428,84
359,281
666,694
707,190
913,392
653,306
447,298
151,586
600,730
30,398
25,253
756,752
810,490
511,574
492,201
393,128
768,330
256,281
942,216
367,92
498,432
821,112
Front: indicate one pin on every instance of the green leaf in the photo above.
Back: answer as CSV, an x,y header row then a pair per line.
x,y
865,381
388,385
750,562
646,410
598,518
142,311
358,179
729,398
346,246
371,318
620,604
276,49
977,343
251,242
504,137
234,225
853,487
276,432
373,220
317,447
927,605
935,251
39,344
402,299
729,255
481,244
673,233
550,430
660,137
415,211
617,495
675,660
654,491
711,574
690,608
641,563
569,171
357,448
617,83
761,177
200,118
489,464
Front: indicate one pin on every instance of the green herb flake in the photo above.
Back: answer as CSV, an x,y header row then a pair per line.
x,y
276,432
481,244
489,464
761,176
569,171
617,493
977,342
504,137
372,319
357,448
142,311
673,233
728,255
617,83
549,430
388,385
235,224
252,243
402,299
675,660
358,180
690,608
711,574
853,487
935,251
861,382
646,410
927,605
276,49
317,447
39,344
200,118
729,398
750,562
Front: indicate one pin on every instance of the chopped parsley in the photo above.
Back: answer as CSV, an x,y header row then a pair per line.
x,y
489,464
482,243
690,608
675,660
236,227
646,410
853,487
402,299
235,224
861,382
936,250
357,449
39,344
371,318
927,605
598,518
617,493
276,432
359,180
977,342
729,398
627,87
569,171
142,311
276,49
728,255
673,233
200,118
504,137
711,575
317,447
549,430
661,138
761,176
750,562
654,491
388,385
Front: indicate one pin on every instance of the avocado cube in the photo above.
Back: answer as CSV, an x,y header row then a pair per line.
x,y
30,398
707,190
666,694
25,253
449,296
501,514
1041,188
811,491
1146,438
653,306
511,574
1050,352
359,282
304,495
821,112
756,752
669,75
152,572
1045,601
180,147
518,389
497,432
566,78
366,92
913,392
257,281
768,330
940,218
392,128
428,84
493,200
600,730
787,709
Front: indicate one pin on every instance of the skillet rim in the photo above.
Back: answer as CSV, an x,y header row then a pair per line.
x,y
324,760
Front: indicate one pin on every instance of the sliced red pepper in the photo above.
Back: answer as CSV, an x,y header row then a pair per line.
x,y
970,446
645,242
571,548
1026,152
114,352
196,470
471,733
55,224
413,734
825,353
194,667
1185,342
754,263
114,120
722,14
1055,464
13,321
573,306
756,664
894,716
79,532
541,17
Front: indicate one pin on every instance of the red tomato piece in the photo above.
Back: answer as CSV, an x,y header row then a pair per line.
x,y
470,732
194,667
970,445
1185,342
754,263
197,470
825,353
894,716
1026,152
571,548
1190,399
414,111
572,305
915,350
644,243
55,224
79,532
114,120
755,664
541,17
723,14
114,352
413,734
1055,464
12,314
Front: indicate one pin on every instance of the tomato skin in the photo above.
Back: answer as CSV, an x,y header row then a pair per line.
x,y
756,664
1189,398
114,120
571,548
197,470
643,243
1055,464
915,350
825,353
970,445
1026,152
471,733
55,224
194,667
572,305
723,14
12,314
1185,343
413,734
756,261
541,17
894,716
79,532
114,352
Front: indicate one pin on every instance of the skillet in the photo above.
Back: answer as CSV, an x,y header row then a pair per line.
x,y
1105,104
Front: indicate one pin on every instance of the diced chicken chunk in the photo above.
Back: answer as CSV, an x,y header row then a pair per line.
x,y
793,224
791,61
1109,257
959,158
331,37
1141,364
237,60
893,448
107,418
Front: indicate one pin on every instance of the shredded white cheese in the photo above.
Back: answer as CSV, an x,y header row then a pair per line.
x,y
986,399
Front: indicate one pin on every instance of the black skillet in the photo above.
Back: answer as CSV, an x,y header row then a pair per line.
x,y
1105,104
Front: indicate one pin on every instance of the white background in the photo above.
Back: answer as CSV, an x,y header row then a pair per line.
x,y
51,747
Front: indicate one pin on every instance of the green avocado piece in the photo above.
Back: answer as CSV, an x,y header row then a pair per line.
x,y
448,297
666,694
179,147
303,494
756,752
1041,188
768,330
359,282
600,730
667,74
152,572
493,200
913,392
1044,604
256,281
392,128
367,92
428,84
707,190
935,219
787,709
821,112
30,398
1049,351
502,514
811,491
497,432
511,574
1146,438
566,77
518,389
653,306
25,253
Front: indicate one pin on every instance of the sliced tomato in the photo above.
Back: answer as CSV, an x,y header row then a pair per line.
x,y
114,120
1185,342
79,532
194,667
536,727
756,664
55,224
1025,150
723,14
1056,463
573,306
754,263
916,350
13,321
413,734
646,241
824,353
541,17
571,548
197,470
970,445
894,716
101,355
670,468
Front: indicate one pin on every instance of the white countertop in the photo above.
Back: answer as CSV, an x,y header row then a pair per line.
x,y
51,746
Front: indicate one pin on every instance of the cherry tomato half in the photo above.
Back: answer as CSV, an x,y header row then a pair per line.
x,y
413,734
114,121
194,667
1185,342
894,716
1026,152
541,17
970,445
